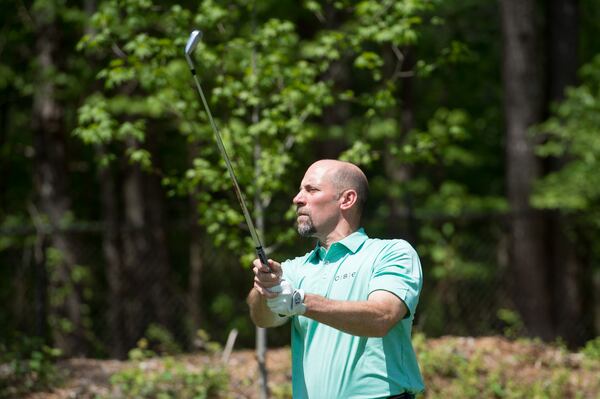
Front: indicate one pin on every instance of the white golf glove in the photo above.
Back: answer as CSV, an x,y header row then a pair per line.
x,y
289,302
277,288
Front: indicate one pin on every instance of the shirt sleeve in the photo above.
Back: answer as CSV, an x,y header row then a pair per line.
x,y
398,270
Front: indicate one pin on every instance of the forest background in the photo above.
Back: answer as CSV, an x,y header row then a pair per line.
x,y
476,122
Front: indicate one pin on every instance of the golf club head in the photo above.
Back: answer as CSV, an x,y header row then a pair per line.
x,y
191,44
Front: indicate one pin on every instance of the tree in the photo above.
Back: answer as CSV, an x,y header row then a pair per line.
x,y
523,108
572,190
262,90
568,268
66,275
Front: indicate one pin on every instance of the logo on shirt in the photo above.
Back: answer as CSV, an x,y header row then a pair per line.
x,y
344,276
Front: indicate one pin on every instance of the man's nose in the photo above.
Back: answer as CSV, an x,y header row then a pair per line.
x,y
298,199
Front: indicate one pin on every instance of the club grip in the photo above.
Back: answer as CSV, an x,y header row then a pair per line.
x,y
262,257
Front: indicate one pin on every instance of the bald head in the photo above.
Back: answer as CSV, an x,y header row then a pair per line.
x,y
344,176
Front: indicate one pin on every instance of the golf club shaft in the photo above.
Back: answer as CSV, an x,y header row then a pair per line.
x,y
258,245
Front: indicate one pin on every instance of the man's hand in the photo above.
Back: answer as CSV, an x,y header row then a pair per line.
x,y
289,302
267,282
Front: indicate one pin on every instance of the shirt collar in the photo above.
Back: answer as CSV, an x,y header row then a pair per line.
x,y
352,243
354,240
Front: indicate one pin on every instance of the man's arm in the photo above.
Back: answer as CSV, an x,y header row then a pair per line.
x,y
371,318
260,313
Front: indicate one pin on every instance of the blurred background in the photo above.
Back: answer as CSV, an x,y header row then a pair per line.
x,y
476,122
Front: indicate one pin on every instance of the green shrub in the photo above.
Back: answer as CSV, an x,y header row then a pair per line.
x,y
531,369
162,340
27,366
172,380
513,325
282,391
167,378
591,350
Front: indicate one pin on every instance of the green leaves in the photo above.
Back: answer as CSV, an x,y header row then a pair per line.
x,y
368,60
390,21
267,87
572,133
96,124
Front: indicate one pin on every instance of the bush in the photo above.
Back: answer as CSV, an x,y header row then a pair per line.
x,y
496,367
162,340
591,349
29,365
166,377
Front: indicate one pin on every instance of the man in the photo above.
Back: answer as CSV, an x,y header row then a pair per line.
x,y
351,300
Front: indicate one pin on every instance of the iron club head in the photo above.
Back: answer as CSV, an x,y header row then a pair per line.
x,y
191,44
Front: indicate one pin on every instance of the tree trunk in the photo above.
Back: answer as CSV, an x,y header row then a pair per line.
x,y
573,323
50,182
113,256
40,302
145,286
401,209
563,57
523,96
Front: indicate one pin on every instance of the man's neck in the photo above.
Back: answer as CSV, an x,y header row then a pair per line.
x,y
336,235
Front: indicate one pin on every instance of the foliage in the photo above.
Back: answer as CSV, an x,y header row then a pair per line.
x,y
470,368
205,343
271,86
513,324
287,82
161,340
592,349
571,144
484,367
174,381
173,378
27,366
266,84
262,92
282,391
151,376
571,134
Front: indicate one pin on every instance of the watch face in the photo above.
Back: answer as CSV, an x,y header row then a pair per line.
x,y
297,298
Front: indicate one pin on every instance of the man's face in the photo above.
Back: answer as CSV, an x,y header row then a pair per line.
x,y
317,203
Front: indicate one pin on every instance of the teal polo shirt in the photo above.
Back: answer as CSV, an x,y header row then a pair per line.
x,y
328,363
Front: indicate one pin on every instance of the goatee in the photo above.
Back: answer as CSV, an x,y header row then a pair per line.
x,y
306,229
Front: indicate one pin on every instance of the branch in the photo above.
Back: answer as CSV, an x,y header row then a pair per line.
x,y
289,142
398,72
117,50
398,54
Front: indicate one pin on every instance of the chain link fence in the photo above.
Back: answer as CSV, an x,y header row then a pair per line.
x,y
466,291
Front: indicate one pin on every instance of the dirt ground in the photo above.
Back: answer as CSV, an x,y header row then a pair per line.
x,y
524,362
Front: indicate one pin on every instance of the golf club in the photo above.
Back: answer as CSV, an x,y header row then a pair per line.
x,y
191,44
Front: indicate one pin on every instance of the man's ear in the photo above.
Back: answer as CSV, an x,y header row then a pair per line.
x,y
348,199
